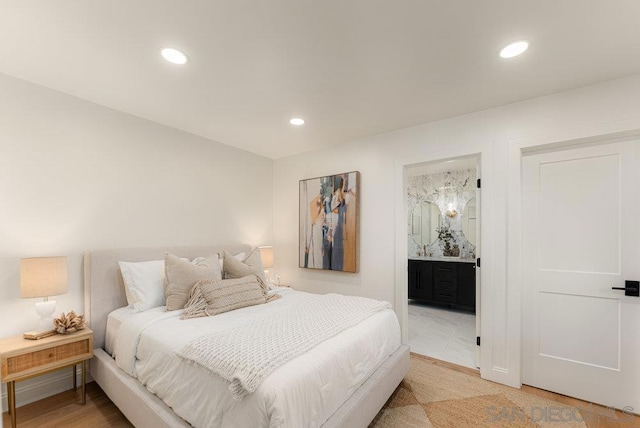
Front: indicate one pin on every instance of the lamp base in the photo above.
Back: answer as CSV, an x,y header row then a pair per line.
x,y
45,310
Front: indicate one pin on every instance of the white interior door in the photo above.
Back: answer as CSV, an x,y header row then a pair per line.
x,y
581,212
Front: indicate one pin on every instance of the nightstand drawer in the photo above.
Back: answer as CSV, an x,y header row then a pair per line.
x,y
46,357
72,350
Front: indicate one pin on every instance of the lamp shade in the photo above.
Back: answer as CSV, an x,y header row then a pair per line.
x,y
43,276
266,255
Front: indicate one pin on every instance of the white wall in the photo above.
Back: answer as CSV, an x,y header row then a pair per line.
x,y
77,176
596,110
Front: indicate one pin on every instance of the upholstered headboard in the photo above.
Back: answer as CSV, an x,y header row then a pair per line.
x,y
103,285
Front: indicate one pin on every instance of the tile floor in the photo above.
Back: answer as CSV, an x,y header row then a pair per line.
x,y
442,333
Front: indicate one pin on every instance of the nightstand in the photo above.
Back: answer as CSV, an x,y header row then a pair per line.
x,y
23,359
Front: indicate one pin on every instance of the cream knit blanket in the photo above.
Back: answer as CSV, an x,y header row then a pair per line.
x,y
246,355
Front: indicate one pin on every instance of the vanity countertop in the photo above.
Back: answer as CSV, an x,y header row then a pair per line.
x,y
444,259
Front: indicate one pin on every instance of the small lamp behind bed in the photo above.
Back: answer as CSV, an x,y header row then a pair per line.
x,y
266,256
43,277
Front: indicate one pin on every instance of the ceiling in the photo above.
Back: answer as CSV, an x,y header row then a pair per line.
x,y
350,68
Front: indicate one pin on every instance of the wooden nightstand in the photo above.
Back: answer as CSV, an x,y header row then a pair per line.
x,y
22,359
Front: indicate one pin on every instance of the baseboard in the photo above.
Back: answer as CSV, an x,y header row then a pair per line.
x,y
43,386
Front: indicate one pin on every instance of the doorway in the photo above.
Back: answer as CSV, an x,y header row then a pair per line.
x,y
443,242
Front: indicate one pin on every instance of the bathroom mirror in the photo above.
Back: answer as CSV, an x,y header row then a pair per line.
x,y
425,219
469,221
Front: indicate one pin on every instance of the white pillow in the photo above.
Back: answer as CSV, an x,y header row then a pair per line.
x,y
143,284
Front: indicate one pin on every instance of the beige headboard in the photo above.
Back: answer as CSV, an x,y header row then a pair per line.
x,y
103,286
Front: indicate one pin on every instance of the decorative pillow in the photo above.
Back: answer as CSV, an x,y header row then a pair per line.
x,y
208,297
182,275
143,284
240,256
252,265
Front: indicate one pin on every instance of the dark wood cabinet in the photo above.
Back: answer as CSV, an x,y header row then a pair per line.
x,y
467,288
450,283
420,275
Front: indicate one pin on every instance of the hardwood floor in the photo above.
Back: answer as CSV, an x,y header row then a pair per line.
x,y
65,410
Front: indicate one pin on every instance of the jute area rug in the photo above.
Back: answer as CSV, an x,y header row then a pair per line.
x,y
432,395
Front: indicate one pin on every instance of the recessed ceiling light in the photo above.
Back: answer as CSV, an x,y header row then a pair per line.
x,y
514,49
174,56
297,121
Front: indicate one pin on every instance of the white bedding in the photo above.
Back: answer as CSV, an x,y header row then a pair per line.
x,y
303,392
114,320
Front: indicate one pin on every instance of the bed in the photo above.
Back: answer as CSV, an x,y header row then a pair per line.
x,y
104,293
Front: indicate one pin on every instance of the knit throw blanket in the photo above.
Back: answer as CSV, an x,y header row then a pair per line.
x,y
244,356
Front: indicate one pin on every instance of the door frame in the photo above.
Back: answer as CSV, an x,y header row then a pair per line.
x,y
478,238
483,157
515,276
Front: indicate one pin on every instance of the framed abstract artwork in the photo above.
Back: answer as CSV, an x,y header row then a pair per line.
x,y
329,213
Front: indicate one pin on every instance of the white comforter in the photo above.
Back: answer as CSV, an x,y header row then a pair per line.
x,y
306,391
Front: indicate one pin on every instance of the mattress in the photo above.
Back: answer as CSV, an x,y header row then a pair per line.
x,y
305,391
114,320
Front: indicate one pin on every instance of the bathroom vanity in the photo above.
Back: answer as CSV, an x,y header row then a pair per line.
x,y
445,281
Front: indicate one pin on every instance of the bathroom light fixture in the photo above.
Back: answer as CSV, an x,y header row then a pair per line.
x,y
297,121
514,49
451,210
174,56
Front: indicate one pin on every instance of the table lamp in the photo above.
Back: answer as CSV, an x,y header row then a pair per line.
x,y
43,277
266,256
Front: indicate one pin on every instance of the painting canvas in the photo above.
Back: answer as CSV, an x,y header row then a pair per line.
x,y
329,222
